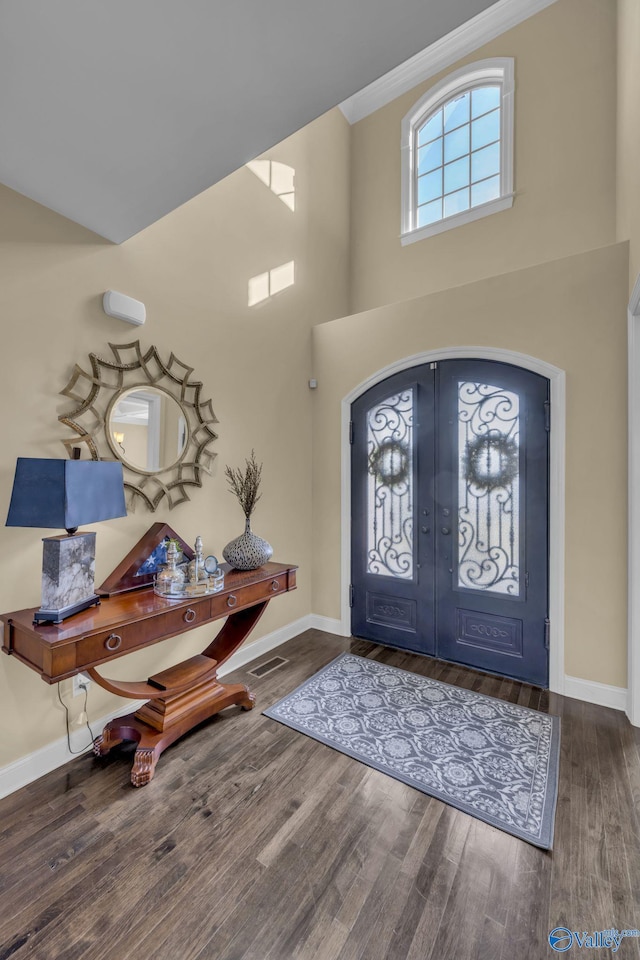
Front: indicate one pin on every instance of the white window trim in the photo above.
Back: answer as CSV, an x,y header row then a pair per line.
x,y
499,70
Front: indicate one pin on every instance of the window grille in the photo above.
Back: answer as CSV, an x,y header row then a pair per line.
x,y
458,150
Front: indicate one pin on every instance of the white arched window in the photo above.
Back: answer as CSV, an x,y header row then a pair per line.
x,y
457,150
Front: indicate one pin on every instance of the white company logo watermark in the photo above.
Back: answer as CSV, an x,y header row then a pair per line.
x,y
562,939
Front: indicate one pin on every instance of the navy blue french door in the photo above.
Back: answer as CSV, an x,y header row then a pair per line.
x,y
450,504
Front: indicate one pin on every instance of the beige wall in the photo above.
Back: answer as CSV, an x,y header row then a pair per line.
x,y
192,270
565,113
519,280
628,131
570,313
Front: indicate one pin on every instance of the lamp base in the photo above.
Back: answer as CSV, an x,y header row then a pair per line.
x,y
68,564
57,616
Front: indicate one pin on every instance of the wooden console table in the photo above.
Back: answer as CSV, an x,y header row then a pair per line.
x,y
180,697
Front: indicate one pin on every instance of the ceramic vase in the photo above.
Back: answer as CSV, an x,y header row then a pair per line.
x,y
248,551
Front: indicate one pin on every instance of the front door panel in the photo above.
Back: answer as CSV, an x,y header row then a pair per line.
x,y
450,515
393,433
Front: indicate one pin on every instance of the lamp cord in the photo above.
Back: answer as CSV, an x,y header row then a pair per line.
x,y
66,710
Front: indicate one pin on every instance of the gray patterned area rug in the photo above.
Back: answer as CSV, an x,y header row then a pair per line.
x,y
491,759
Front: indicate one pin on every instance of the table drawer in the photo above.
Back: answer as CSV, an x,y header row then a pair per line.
x,y
247,596
130,636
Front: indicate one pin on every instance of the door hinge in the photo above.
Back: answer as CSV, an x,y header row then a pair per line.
x,y
350,431
351,595
547,631
547,415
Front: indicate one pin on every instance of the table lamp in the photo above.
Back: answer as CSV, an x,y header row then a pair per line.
x,y
66,493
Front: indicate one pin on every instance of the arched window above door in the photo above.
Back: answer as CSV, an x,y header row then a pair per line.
x,y
457,150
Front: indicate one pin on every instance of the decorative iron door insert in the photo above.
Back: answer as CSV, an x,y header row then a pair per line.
x,y
390,445
450,515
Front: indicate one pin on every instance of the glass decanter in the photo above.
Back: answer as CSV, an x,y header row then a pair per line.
x,y
196,571
170,580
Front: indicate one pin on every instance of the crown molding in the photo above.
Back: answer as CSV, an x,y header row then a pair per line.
x,y
466,38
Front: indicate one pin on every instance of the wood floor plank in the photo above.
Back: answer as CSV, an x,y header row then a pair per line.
x,y
254,842
527,925
427,914
490,939
466,905
620,827
302,812
327,942
563,873
358,942
502,851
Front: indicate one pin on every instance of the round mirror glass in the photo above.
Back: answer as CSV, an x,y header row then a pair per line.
x,y
147,429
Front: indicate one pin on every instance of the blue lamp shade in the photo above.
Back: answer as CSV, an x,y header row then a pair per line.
x,y
64,494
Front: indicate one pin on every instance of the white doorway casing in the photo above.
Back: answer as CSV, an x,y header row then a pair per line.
x,y
633,668
556,483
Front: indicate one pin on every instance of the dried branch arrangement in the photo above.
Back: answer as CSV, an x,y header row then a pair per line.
x,y
245,483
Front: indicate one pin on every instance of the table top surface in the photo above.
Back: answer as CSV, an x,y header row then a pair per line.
x,y
135,605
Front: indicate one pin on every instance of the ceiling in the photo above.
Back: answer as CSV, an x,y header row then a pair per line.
x,y
115,112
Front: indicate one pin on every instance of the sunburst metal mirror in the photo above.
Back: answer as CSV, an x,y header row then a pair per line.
x,y
147,414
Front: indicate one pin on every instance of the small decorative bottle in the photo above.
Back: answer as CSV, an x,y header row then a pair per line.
x,y
196,570
170,580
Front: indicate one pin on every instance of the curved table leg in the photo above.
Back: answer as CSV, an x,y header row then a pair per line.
x,y
236,629
163,719
151,742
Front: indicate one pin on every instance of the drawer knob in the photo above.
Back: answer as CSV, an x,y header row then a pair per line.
x,y
275,585
113,641
189,615
232,600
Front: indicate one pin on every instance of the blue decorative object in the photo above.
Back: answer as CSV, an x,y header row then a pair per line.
x,y
66,494
494,760
156,559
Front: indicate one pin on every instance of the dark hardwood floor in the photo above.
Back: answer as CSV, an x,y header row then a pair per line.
x,y
254,842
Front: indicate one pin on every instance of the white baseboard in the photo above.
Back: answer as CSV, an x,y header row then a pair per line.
x,y
328,625
27,769
35,765
253,651
591,691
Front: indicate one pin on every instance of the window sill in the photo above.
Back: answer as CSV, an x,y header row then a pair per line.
x,y
467,216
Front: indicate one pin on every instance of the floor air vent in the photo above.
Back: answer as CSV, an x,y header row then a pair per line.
x,y
263,668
